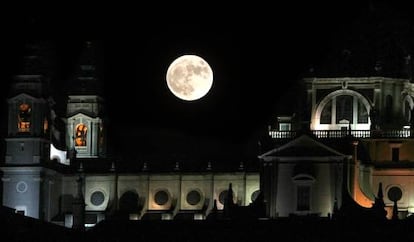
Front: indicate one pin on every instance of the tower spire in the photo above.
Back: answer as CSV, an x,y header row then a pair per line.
x,y
85,108
31,77
86,79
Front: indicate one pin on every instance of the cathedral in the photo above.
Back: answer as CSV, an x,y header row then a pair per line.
x,y
57,168
345,141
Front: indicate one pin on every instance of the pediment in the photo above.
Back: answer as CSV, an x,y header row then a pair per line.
x,y
24,96
302,147
80,115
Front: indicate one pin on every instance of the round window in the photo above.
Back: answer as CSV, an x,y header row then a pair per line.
x,y
193,197
161,198
394,194
97,198
21,187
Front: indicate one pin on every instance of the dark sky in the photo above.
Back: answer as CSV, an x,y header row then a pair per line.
x,y
256,53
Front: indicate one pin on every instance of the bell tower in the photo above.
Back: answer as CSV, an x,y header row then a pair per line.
x,y
85,124
27,141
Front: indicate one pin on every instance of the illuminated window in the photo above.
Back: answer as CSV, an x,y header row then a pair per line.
x,y
80,135
45,126
344,109
23,118
284,127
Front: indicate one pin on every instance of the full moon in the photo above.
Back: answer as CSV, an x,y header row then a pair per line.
x,y
189,77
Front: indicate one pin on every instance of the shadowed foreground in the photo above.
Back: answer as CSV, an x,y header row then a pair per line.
x,y
259,230
16,227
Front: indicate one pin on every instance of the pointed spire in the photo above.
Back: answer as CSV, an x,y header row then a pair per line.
x,y
230,193
395,211
379,205
380,195
31,76
213,215
214,209
228,202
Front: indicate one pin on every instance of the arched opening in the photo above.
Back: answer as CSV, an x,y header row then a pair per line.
x,y
342,109
80,135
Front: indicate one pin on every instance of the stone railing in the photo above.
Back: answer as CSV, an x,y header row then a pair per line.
x,y
404,133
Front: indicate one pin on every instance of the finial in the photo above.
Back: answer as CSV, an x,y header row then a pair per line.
x,y
209,166
177,166
241,165
380,194
395,211
145,167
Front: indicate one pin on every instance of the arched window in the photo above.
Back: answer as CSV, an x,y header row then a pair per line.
x,y
362,113
344,108
326,115
23,123
340,109
408,105
80,135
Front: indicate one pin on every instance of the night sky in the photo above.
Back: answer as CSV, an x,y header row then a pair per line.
x,y
256,53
